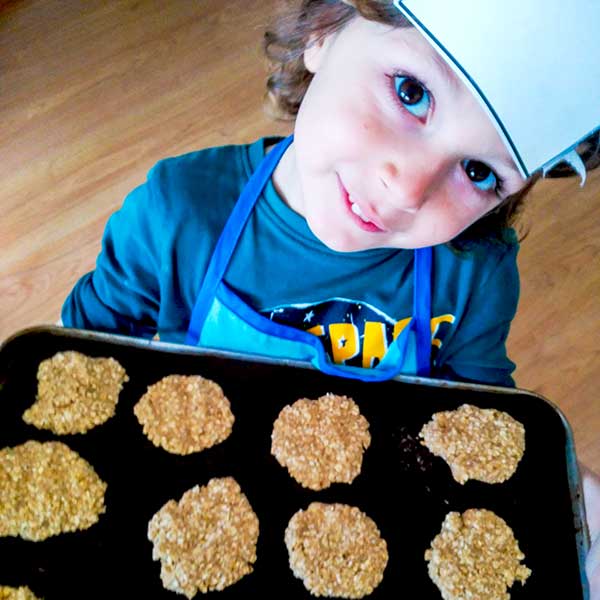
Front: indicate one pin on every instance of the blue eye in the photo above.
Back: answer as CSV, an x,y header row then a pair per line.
x,y
413,95
481,175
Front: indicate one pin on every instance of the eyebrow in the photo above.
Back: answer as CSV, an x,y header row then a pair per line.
x,y
444,70
506,162
510,165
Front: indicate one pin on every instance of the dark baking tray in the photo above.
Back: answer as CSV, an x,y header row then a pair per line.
x,y
402,487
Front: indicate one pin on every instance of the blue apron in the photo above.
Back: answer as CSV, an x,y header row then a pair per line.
x,y
222,320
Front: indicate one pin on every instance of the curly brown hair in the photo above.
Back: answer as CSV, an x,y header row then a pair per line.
x,y
302,24
306,21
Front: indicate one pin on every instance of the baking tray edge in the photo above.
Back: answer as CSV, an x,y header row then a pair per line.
x,y
575,486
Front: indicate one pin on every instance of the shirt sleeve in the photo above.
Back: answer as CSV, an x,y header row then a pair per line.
x,y
122,295
477,352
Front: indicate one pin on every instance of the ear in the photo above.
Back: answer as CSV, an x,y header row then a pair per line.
x,y
315,51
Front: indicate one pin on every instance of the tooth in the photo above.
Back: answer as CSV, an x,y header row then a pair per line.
x,y
356,210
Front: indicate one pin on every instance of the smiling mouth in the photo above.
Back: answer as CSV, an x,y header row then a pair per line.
x,y
356,213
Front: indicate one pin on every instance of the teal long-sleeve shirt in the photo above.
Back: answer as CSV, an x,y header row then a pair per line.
x,y
156,249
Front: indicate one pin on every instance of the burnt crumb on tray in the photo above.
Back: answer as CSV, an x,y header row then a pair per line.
x,y
412,455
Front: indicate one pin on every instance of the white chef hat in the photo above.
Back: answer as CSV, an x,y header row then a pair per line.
x,y
534,65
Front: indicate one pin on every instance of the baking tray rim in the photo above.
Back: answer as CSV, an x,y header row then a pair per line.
x,y
574,476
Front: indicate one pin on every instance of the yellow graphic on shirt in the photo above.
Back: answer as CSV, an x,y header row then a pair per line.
x,y
353,333
345,339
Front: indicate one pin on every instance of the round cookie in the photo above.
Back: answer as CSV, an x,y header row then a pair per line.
x,y
75,392
47,489
482,444
207,540
336,550
475,556
21,593
321,441
185,414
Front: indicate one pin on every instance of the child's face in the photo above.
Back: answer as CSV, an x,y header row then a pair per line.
x,y
387,131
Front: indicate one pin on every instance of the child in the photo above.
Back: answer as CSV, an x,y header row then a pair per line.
x,y
377,241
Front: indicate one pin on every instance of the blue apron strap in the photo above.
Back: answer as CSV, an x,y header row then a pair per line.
x,y
229,238
422,309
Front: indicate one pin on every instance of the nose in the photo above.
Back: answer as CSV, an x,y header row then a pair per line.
x,y
408,180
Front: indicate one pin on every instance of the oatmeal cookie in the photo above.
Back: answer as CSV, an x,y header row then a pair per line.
x,y
47,489
321,441
185,414
75,392
482,444
20,593
336,550
207,540
475,555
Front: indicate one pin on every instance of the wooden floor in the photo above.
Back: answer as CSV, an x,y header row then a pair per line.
x,y
93,93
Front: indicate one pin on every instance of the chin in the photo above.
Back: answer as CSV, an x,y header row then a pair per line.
x,y
346,247
337,242
338,245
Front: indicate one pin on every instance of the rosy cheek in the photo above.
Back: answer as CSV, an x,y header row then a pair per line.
x,y
451,215
406,124
369,131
